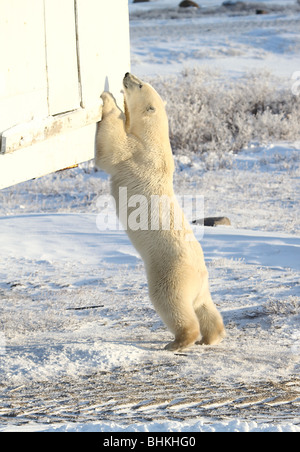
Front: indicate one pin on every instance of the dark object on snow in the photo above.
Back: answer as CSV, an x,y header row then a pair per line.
x,y
214,221
261,11
86,307
235,6
188,4
140,1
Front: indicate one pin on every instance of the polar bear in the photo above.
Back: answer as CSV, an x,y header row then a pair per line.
x,y
134,148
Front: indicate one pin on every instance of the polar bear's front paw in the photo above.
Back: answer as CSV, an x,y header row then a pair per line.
x,y
106,96
109,102
108,99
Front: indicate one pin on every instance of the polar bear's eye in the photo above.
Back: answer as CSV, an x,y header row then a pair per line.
x,y
140,86
150,108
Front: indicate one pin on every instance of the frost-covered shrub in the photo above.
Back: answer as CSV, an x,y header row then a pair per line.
x,y
208,114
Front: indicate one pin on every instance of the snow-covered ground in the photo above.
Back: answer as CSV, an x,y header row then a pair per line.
x,y
64,361
81,348
172,40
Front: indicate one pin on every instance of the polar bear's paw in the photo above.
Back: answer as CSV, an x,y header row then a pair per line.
x,y
182,343
172,346
176,346
109,102
185,336
107,97
214,339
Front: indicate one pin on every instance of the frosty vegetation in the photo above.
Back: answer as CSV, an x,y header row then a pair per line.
x,y
208,113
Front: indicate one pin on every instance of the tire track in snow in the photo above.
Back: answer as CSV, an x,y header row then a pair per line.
x,y
103,397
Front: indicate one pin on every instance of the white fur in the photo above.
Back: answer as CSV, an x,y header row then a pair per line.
x,y
134,149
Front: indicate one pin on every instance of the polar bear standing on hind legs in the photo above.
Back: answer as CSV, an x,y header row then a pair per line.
x,y
134,148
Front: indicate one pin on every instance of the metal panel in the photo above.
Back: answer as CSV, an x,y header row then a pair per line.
x,y
103,47
56,55
59,152
62,70
23,79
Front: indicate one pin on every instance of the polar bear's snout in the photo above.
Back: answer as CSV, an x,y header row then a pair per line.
x,y
131,81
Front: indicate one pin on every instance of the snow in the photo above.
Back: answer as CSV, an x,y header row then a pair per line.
x,y
162,4
67,235
81,348
233,43
156,427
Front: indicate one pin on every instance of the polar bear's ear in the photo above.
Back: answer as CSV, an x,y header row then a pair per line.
x,y
150,108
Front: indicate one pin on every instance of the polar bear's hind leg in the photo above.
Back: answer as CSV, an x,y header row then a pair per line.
x,y
183,323
185,337
211,324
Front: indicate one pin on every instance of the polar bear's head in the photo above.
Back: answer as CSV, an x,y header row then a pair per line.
x,y
144,109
